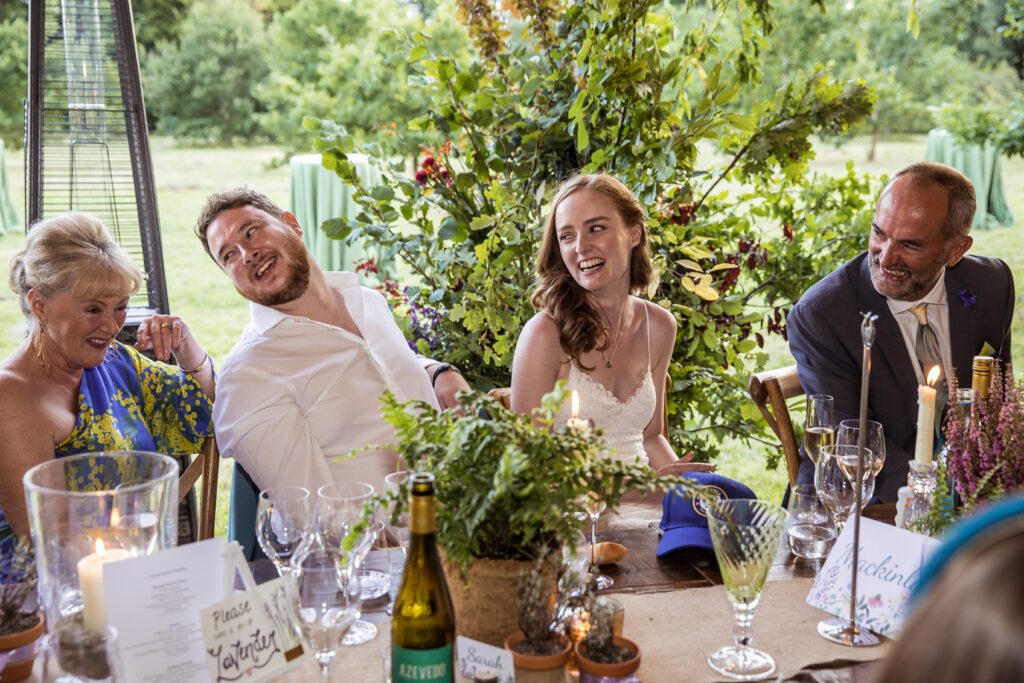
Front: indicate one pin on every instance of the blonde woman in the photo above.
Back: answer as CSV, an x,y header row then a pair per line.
x,y
70,387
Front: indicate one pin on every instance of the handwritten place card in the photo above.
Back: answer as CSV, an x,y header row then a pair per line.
x,y
472,654
889,566
249,637
154,602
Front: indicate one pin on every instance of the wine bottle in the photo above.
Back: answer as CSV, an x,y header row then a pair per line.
x,y
981,377
423,620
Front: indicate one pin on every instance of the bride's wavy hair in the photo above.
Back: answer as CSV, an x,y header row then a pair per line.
x,y
581,326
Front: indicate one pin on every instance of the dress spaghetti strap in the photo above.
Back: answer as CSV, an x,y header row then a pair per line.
x,y
647,322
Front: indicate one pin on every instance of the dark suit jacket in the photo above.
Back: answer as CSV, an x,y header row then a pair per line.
x,y
824,337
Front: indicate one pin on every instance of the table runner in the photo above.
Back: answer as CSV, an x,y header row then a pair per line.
x,y
676,632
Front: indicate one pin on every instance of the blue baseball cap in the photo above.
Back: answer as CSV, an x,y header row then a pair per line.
x,y
684,522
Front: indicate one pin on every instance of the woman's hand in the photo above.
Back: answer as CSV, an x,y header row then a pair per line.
x,y
168,334
684,465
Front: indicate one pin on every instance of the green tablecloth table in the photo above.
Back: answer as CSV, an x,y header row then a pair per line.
x,y
318,195
981,164
8,216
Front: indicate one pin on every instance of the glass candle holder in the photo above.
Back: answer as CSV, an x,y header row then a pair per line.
x,y
85,510
922,480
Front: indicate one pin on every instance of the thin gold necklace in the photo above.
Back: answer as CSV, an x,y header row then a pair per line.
x,y
618,337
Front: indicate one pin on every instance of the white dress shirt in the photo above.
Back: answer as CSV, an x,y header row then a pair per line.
x,y
294,394
938,320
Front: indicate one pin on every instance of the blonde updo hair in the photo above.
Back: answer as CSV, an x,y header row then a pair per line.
x,y
73,253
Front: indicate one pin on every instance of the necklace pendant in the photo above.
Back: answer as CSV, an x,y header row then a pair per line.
x,y
607,363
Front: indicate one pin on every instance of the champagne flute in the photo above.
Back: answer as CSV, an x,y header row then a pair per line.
x,y
595,506
745,535
324,597
818,425
283,519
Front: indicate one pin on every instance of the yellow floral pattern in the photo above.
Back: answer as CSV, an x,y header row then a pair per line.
x,y
130,402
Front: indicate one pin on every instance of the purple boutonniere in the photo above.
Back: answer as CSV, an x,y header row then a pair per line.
x,y
967,298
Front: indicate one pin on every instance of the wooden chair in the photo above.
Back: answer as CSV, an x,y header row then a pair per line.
x,y
771,389
207,464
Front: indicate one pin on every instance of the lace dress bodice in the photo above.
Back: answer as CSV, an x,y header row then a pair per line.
x,y
623,422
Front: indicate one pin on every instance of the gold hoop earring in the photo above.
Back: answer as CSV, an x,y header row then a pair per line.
x,y
40,350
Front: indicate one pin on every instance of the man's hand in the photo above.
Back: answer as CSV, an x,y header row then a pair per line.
x,y
446,385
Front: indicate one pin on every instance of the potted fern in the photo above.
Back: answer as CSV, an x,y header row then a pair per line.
x,y
508,492
20,625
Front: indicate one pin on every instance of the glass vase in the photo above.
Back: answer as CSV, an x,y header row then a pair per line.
x,y
922,480
88,509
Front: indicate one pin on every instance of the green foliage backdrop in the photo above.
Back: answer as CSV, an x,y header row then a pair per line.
x,y
738,227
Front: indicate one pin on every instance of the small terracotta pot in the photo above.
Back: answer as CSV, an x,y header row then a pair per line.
x,y
19,666
619,670
540,662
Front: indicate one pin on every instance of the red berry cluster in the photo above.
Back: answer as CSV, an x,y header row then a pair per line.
x,y
368,266
432,171
777,324
787,231
678,208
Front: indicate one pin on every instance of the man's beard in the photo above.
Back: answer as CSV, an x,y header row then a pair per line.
x,y
915,287
296,284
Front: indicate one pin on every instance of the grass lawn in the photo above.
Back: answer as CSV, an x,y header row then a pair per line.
x,y
203,296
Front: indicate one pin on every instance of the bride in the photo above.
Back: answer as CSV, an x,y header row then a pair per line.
x,y
612,347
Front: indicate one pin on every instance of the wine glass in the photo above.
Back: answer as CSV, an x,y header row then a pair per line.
x,y
398,530
746,535
810,532
848,434
834,477
341,506
595,506
324,597
818,425
283,519
373,583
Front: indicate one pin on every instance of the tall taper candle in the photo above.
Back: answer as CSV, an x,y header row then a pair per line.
x,y
926,419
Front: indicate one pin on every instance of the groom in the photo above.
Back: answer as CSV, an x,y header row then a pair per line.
x,y
935,306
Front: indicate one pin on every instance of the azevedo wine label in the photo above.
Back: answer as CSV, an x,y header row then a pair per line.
x,y
422,666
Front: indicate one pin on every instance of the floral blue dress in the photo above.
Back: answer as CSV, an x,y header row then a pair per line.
x,y
130,402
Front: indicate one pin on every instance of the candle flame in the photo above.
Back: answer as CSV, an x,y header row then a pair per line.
x,y
100,550
575,404
115,518
933,375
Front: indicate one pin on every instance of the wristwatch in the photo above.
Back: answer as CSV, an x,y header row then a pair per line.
x,y
442,367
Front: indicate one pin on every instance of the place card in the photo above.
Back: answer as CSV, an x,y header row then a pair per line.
x,y
889,566
154,602
472,655
249,637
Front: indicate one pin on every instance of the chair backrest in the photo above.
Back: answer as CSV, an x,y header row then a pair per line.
x,y
207,464
771,389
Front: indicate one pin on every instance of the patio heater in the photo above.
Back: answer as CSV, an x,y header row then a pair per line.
x,y
87,148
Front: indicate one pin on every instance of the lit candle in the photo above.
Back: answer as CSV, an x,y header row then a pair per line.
x,y
90,579
926,419
575,422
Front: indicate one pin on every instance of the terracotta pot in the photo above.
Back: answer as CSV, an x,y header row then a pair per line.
x,y
620,670
19,666
485,598
542,668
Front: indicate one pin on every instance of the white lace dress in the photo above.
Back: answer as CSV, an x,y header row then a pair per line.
x,y
623,422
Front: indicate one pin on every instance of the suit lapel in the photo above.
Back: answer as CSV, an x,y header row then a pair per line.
x,y
962,342
891,349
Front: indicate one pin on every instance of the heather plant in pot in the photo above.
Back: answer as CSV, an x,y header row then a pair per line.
x,y
21,625
508,492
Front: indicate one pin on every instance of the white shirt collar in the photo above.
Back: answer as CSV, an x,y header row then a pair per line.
x,y
265,318
936,297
